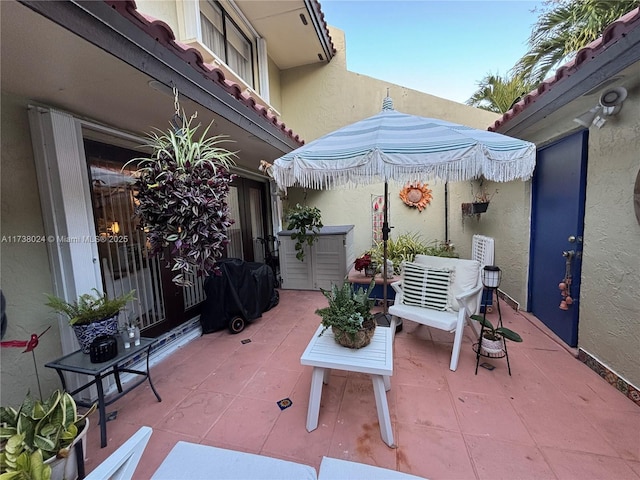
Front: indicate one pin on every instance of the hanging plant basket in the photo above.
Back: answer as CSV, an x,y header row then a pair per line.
x,y
479,207
474,208
182,198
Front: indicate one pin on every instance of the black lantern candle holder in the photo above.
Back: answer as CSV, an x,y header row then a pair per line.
x,y
491,276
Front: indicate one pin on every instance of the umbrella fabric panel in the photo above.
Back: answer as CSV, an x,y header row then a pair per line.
x,y
400,147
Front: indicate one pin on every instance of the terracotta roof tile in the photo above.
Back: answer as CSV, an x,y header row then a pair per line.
x,y
611,34
324,24
163,34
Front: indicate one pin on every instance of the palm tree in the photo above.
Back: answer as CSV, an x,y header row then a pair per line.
x,y
498,94
563,28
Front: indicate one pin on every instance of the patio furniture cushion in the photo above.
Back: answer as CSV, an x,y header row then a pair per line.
x,y
468,300
426,287
467,273
336,469
194,461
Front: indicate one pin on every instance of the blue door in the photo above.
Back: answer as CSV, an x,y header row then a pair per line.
x,y
557,224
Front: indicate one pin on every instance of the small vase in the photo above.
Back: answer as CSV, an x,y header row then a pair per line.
x,y
360,339
370,270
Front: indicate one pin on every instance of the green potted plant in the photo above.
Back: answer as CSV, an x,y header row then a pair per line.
x,y
305,222
492,341
37,440
349,314
181,199
406,246
91,315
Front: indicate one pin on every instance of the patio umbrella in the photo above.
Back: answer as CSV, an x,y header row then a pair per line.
x,y
403,148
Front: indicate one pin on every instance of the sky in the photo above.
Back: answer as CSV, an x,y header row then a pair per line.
x,y
440,47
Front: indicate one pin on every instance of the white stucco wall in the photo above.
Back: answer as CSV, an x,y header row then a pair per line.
x,y
24,265
610,292
318,99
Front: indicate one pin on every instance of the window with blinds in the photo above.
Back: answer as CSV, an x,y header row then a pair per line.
x,y
226,40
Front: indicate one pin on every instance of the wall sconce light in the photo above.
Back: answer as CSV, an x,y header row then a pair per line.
x,y
115,228
610,104
491,276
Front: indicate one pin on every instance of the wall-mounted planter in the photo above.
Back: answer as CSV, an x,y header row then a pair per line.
x,y
474,208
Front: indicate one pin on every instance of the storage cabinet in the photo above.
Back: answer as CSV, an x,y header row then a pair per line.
x,y
327,261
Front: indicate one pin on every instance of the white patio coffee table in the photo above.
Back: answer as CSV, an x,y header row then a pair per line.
x,y
376,359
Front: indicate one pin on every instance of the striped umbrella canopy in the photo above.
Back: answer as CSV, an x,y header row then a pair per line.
x,y
404,148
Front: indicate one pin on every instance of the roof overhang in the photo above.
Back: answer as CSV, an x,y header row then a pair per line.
x,y
89,59
283,23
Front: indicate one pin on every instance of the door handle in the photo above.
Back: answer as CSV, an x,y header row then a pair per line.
x,y
568,254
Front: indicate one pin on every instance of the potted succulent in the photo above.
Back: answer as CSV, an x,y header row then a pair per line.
x,y
91,315
181,199
306,222
492,341
349,314
37,441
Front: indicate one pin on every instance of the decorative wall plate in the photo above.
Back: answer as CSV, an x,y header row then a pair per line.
x,y
417,195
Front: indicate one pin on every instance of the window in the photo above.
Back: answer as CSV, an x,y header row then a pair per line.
x,y
224,38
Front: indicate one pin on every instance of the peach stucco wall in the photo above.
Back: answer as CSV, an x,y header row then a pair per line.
x,y
610,293
318,99
25,274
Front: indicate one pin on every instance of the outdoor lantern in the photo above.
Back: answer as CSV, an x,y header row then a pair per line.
x,y
491,276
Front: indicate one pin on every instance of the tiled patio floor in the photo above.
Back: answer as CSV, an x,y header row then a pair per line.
x,y
553,418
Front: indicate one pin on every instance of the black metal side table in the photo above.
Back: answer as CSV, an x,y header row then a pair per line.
x,y
79,362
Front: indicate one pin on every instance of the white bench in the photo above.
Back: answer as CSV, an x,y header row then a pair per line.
x,y
194,461
202,462
439,292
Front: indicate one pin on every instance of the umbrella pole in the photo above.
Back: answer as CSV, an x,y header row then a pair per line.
x,y
384,318
385,238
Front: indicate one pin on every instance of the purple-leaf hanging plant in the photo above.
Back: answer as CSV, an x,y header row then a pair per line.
x,y
181,199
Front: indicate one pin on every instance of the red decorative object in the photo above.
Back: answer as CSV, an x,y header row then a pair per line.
x,y
363,262
30,344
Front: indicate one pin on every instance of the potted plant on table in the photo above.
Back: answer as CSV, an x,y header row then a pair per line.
x,y
367,264
306,222
37,441
493,338
91,315
349,314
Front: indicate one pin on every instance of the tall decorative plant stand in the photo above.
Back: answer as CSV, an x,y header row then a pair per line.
x,y
491,281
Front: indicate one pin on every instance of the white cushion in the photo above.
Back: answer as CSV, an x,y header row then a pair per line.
x,y
201,462
434,318
467,273
336,469
423,286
